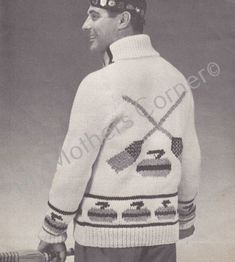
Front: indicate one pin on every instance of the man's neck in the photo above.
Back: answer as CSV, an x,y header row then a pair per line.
x,y
106,55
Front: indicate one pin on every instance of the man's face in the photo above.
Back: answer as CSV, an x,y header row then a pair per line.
x,y
102,28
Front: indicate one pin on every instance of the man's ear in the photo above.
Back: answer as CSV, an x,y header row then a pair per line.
x,y
124,20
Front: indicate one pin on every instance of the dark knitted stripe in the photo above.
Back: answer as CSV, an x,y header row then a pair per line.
x,y
65,213
134,213
57,232
131,197
124,215
185,214
187,207
127,226
186,202
189,218
161,152
186,220
154,162
165,213
102,215
157,167
48,232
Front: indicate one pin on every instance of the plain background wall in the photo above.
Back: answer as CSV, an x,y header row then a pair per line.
x,y
44,56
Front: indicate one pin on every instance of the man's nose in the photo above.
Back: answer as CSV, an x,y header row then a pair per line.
x,y
86,25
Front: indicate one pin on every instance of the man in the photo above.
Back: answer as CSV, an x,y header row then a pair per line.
x,y
131,192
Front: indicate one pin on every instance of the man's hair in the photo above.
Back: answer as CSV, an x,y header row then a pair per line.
x,y
137,22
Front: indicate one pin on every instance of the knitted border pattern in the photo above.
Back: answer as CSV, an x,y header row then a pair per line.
x,y
131,211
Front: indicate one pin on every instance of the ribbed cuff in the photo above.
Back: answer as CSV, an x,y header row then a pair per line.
x,y
49,237
187,214
55,225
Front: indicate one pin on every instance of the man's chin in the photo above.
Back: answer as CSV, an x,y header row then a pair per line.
x,y
95,48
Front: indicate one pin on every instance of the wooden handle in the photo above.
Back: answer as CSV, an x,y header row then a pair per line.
x,y
29,255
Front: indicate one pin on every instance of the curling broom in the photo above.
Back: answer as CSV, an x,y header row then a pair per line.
x,y
130,154
29,256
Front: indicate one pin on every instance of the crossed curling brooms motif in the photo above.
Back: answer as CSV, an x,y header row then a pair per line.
x,y
127,157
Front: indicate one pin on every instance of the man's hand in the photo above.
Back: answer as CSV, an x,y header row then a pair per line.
x,y
58,251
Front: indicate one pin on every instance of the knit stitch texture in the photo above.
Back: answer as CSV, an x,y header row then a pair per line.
x,y
132,165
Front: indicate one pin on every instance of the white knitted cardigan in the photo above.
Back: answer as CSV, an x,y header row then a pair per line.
x,y
129,168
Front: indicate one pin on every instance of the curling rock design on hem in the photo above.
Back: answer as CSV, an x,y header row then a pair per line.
x,y
102,214
128,211
138,213
167,211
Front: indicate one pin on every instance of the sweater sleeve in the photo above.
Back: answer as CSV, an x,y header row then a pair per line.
x,y
191,164
90,115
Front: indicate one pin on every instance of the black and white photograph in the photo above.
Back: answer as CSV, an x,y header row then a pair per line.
x,y
117,124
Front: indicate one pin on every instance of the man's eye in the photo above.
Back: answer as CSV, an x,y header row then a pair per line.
x,y
94,17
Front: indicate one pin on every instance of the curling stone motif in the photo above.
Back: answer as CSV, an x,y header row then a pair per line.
x,y
167,211
138,213
157,166
103,213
